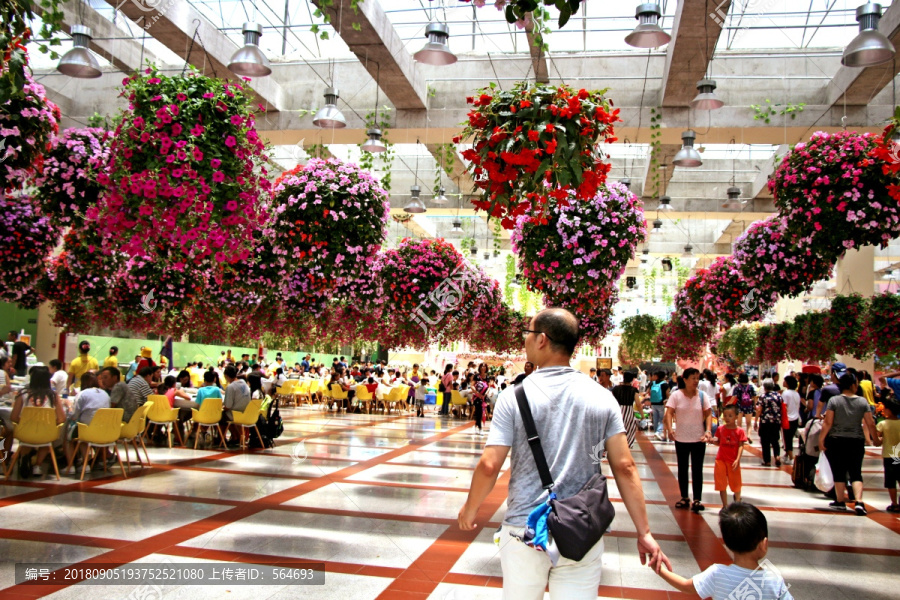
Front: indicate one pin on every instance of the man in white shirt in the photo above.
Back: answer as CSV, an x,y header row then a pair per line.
x,y
792,401
571,413
617,377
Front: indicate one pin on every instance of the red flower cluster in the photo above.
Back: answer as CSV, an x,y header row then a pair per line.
x,y
536,138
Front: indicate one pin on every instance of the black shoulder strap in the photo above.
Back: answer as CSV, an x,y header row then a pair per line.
x,y
534,442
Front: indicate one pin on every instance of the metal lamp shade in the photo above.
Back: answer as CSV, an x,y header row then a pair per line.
x,y
688,155
441,198
329,117
688,252
626,181
457,227
415,206
734,195
436,50
374,143
869,47
648,33
473,251
665,203
79,61
657,225
250,60
706,98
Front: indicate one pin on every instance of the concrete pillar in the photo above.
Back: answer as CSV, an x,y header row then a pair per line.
x,y
47,338
856,273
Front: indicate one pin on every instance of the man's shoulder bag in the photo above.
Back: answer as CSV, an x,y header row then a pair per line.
x,y
577,523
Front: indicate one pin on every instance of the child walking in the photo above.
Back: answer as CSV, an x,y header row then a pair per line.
x,y
746,533
730,439
889,440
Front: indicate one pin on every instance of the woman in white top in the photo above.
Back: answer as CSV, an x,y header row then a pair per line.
x,y
692,410
792,402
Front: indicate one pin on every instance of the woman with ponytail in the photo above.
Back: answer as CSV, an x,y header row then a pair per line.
x,y
692,409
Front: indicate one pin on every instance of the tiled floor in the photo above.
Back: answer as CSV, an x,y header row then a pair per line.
x,y
374,499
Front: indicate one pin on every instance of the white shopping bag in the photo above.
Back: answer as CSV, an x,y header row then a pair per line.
x,y
824,477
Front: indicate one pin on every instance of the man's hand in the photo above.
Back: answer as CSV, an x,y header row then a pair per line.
x,y
466,517
649,549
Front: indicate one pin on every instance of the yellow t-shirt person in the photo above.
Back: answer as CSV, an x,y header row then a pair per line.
x,y
890,433
111,361
81,365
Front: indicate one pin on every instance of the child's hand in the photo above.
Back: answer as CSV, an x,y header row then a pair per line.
x,y
737,464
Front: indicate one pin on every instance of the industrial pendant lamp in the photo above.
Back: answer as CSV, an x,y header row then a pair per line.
x,y
665,203
329,117
626,181
645,254
516,282
667,264
436,50
688,155
441,198
657,225
869,47
648,33
706,98
688,252
250,61
457,226
415,206
734,195
79,61
374,143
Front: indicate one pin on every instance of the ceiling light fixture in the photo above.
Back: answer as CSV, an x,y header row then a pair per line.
x,y
79,61
374,143
415,205
437,49
441,198
688,252
706,98
516,282
734,195
457,226
667,264
329,116
626,181
665,203
648,33
688,155
870,47
657,225
250,61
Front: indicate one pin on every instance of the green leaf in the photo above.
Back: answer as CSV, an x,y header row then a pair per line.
x,y
356,27
510,15
564,17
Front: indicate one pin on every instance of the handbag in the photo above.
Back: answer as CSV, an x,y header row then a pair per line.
x,y
577,523
785,422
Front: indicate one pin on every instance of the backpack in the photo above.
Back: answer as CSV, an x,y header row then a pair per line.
x,y
270,427
656,393
745,395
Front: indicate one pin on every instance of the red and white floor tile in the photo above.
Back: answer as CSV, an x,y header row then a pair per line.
x,y
374,498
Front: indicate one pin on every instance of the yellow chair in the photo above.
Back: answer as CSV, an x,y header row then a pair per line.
x,y
209,416
248,419
325,392
37,428
456,400
302,392
286,392
397,394
364,396
315,391
131,433
339,395
160,414
102,432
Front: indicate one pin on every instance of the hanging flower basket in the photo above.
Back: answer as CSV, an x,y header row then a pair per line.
x,y
848,318
834,195
68,186
329,218
594,310
186,169
533,139
27,126
770,262
882,325
582,246
27,240
718,296
808,338
681,338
